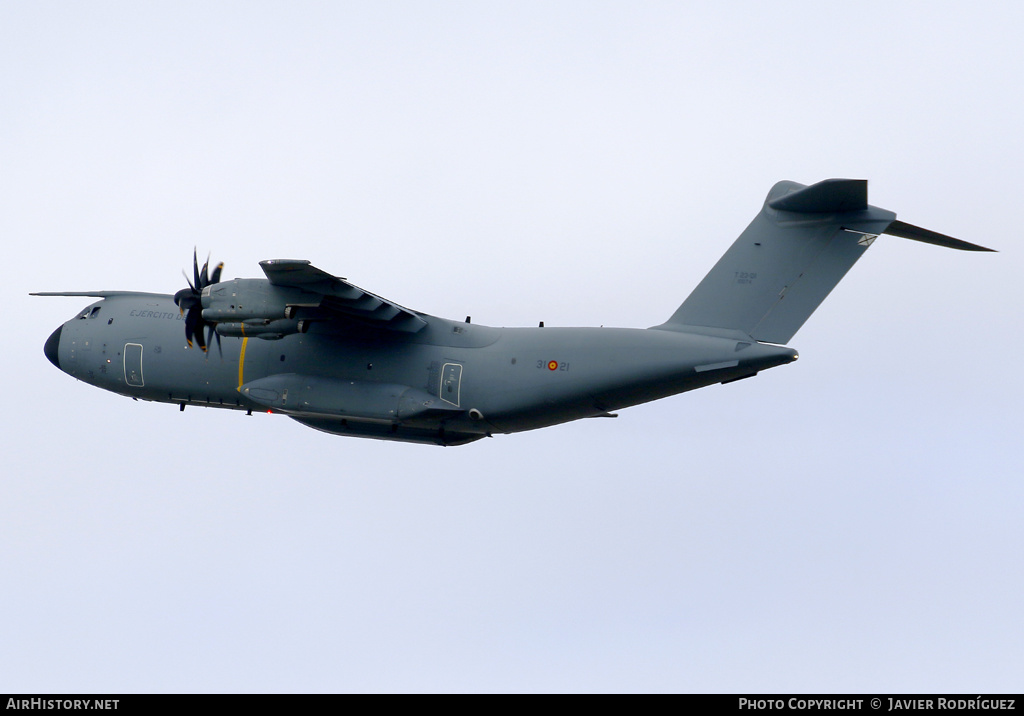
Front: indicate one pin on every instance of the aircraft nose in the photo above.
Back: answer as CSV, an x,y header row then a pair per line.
x,y
52,343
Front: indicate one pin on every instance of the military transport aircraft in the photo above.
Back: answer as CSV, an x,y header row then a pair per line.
x,y
337,358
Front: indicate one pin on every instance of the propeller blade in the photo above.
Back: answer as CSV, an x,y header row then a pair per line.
x,y
181,296
199,324
191,319
211,334
189,302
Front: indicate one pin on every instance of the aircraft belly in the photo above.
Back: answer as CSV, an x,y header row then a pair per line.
x,y
393,432
360,400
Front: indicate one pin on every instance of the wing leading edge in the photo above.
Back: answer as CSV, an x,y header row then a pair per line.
x,y
341,298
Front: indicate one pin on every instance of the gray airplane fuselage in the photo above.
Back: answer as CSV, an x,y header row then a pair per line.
x,y
451,383
317,348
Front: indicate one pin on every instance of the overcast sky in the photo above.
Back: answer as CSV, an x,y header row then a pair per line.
x,y
851,522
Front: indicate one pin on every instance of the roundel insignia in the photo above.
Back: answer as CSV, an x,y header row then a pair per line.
x,y
552,365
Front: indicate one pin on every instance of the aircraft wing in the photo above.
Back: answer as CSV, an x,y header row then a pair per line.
x,y
341,299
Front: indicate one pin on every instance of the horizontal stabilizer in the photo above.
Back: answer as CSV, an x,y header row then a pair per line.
x,y
909,231
829,196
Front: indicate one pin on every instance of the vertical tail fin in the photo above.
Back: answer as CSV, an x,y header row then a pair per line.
x,y
791,257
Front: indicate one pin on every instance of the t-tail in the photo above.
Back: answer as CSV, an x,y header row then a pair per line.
x,y
790,257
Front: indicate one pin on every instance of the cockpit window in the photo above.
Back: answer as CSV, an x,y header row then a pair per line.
x,y
94,312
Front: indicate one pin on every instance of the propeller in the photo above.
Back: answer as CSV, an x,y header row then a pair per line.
x,y
188,301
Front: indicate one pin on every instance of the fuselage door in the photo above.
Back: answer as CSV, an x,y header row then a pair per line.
x,y
451,383
133,365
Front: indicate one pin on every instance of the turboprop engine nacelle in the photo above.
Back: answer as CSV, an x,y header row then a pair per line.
x,y
262,328
242,299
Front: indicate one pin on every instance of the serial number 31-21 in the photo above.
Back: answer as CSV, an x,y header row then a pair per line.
x,y
552,365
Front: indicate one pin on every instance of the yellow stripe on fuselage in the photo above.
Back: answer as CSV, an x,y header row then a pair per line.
x,y
241,363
